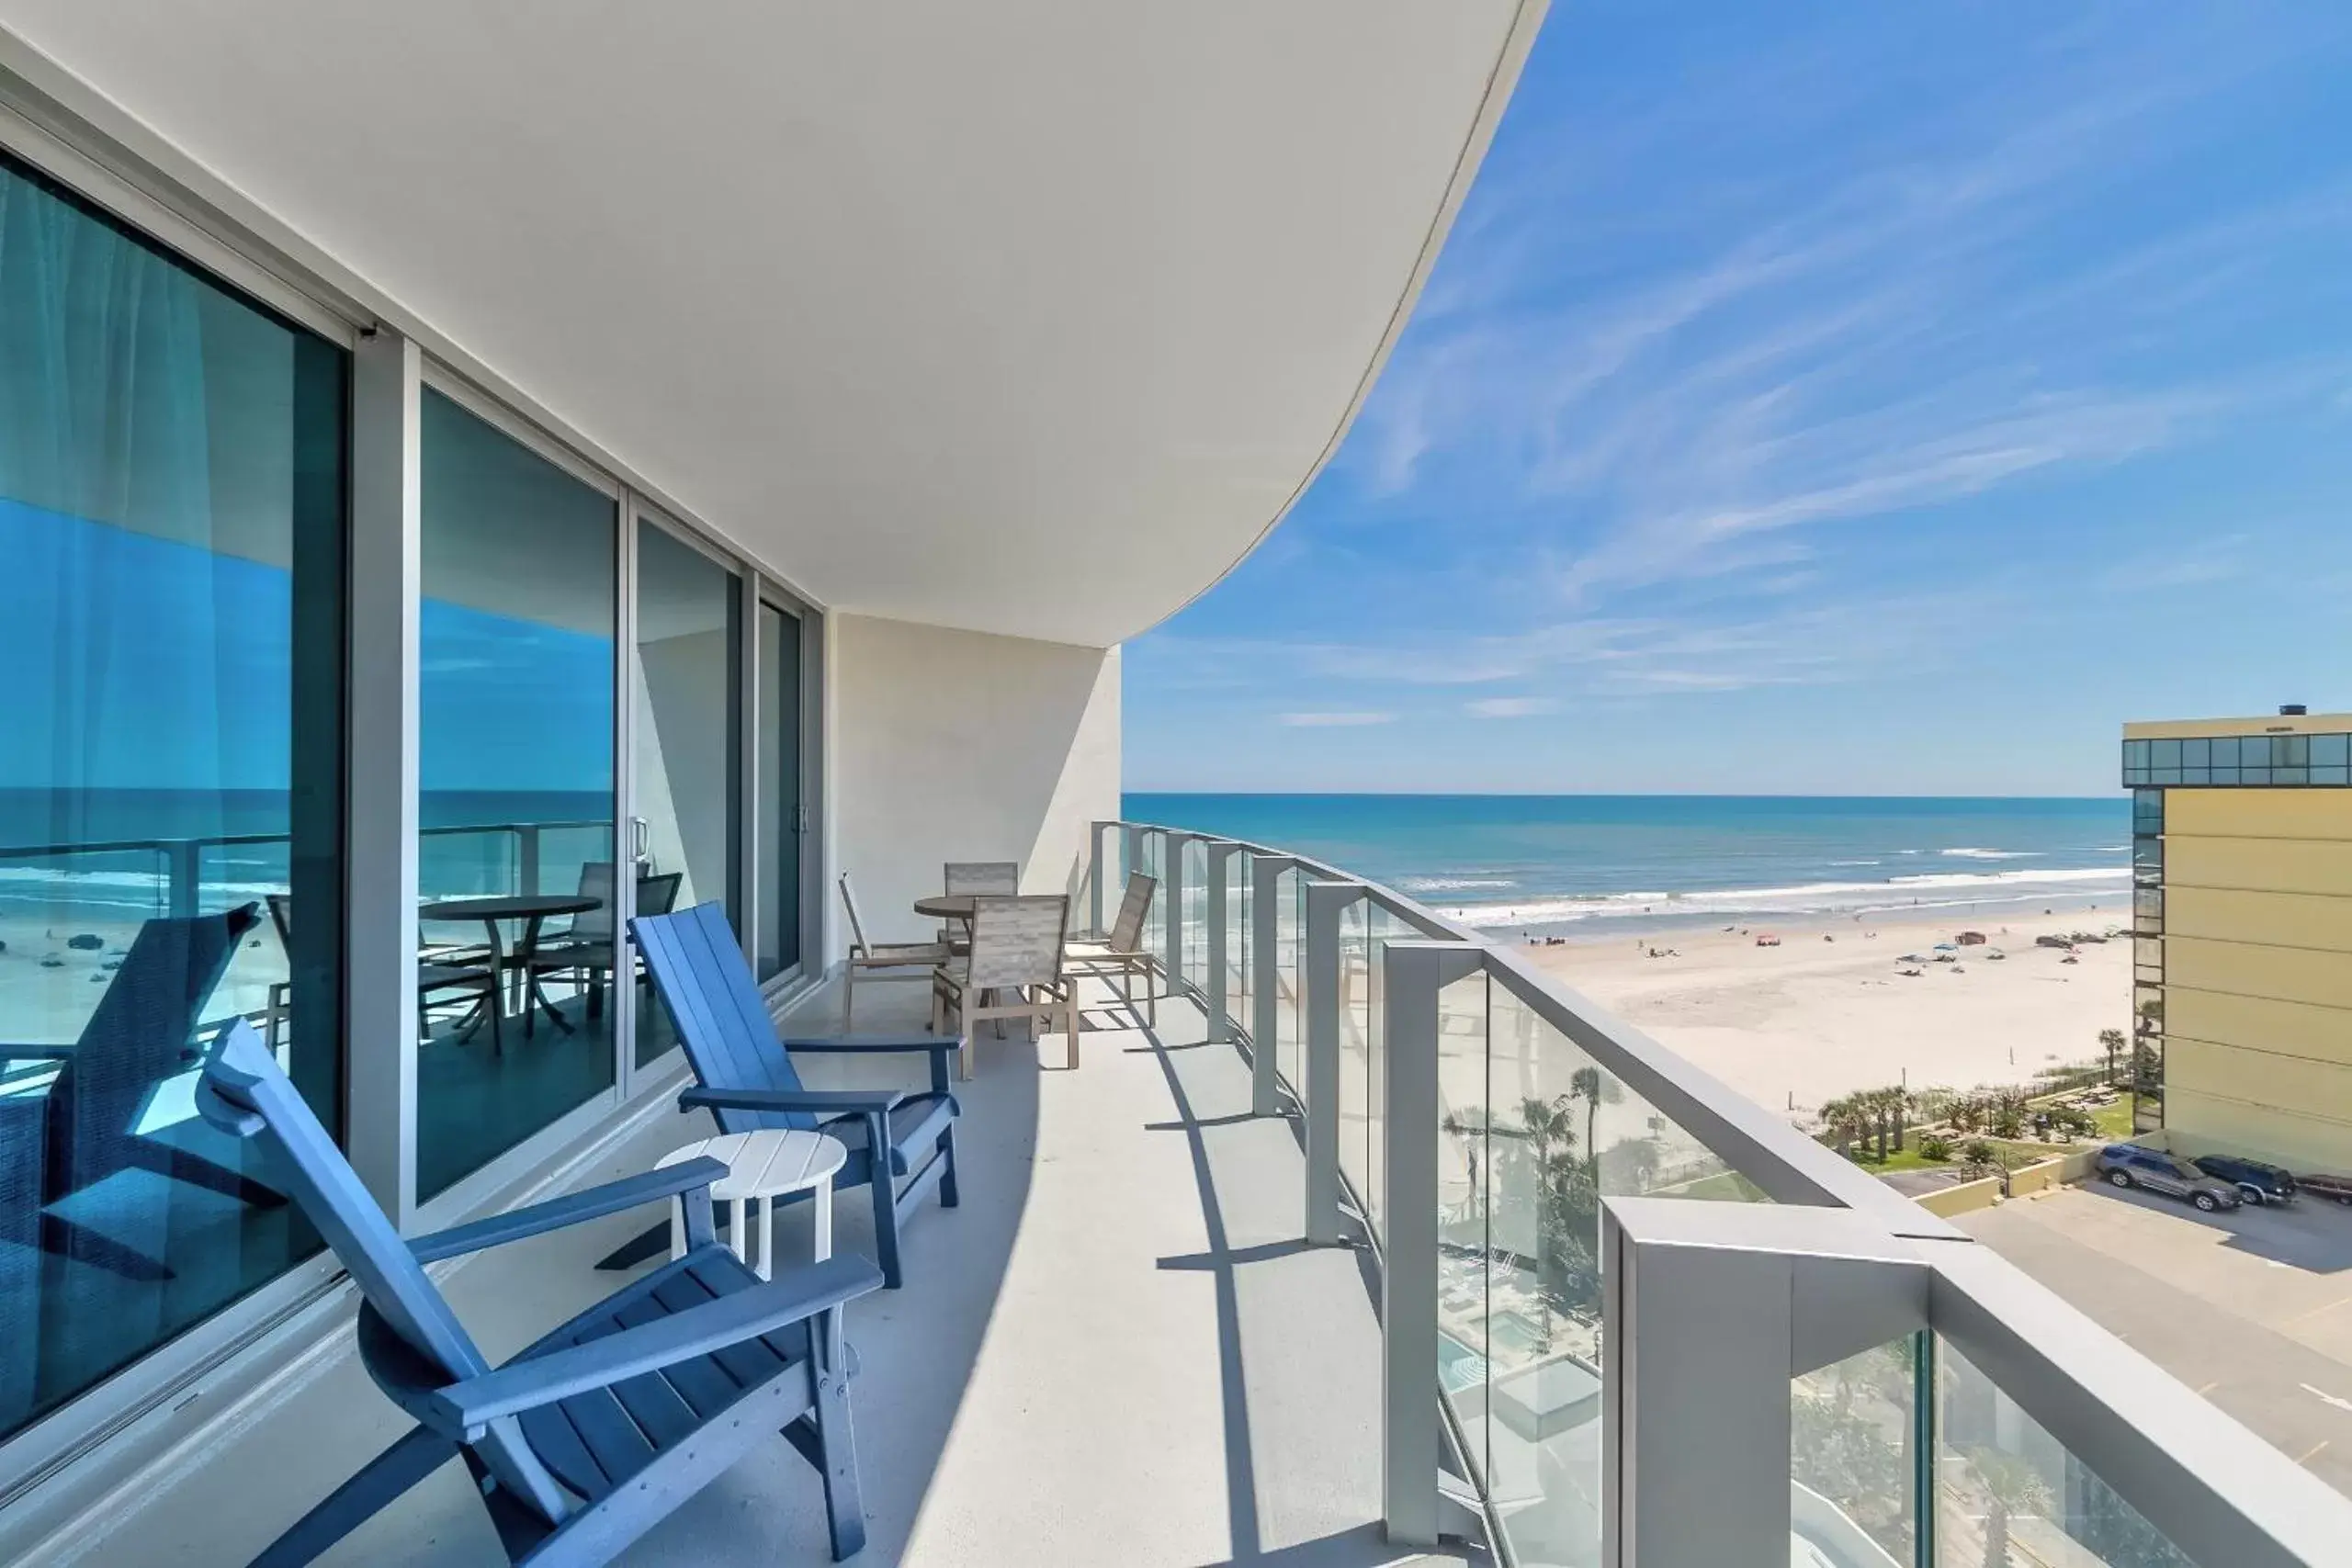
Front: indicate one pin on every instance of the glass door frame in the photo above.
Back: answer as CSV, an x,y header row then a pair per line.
x,y
640,512
763,592
467,1195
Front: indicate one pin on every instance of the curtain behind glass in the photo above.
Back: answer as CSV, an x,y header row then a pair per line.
x,y
171,530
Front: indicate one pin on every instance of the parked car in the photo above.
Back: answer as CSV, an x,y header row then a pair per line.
x,y
2128,1165
2337,1186
2256,1183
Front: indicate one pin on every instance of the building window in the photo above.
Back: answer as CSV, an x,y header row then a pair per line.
x,y
172,518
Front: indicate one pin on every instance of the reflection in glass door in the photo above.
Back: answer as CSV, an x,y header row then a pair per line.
x,y
778,783
686,819
514,801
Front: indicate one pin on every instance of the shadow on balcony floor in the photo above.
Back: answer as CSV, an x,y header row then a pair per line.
x,y
1115,1352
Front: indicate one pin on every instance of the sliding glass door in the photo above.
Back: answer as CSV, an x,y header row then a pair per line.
x,y
516,642
172,584
777,786
686,737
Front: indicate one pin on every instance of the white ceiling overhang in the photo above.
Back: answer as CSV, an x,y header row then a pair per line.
x,y
1023,317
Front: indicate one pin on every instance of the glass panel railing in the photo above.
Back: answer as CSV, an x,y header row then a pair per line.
x,y
1356,1048
1195,912
1854,1460
1151,855
2008,1492
1290,1018
1552,1133
1236,940
1381,928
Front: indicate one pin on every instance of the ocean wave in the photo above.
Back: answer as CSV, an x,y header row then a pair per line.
x,y
60,889
1966,853
1854,862
1452,884
1924,890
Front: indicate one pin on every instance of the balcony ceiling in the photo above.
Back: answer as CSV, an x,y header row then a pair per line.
x,y
1025,317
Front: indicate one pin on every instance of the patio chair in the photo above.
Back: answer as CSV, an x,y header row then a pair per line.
x,y
881,961
86,1127
975,876
1122,950
744,1075
603,1428
1017,944
983,877
438,970
586,947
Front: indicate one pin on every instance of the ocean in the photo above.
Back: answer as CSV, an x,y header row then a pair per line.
x,y
1590,864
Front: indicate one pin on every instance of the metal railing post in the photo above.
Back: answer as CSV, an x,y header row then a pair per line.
x,y
1220,858
1695,1399
1172,855
1324,900
526,858
181,877
1265,999
1413,973
1101,873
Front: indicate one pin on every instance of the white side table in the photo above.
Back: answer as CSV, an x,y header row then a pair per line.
x,y
762,1166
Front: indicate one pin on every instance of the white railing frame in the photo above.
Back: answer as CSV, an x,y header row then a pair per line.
x,y
2212,1488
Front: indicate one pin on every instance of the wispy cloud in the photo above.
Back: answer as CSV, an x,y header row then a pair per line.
x,y
1335,720
1511,707
2191,565
1777,358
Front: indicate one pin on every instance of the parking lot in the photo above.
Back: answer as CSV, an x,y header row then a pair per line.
x,y
2252,1308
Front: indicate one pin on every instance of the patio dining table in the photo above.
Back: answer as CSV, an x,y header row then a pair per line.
x,y
534,910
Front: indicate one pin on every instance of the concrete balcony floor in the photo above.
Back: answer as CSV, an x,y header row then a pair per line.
x,y
1116,1351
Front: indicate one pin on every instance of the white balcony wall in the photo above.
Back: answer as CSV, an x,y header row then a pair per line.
x,y
954,745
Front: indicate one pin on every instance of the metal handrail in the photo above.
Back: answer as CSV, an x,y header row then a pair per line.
x,y
2211,1485
182,856
1789,1167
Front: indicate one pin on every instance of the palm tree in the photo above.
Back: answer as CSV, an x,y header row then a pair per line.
x,y
1886,1109
1593,1086
1846,1119
2113,1041
2011,1487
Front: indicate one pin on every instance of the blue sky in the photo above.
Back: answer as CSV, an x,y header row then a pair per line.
x,y
1828,398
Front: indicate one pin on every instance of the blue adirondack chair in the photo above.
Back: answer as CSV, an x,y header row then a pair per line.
x,y
745,1078
87,1126
593,1435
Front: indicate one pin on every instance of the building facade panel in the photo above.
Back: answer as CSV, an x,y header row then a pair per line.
x,y
2307,921
2306,814
2277,866
2299,1138
2293,974
2258,1022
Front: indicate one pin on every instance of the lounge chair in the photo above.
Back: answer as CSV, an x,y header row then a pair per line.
x,y
86,1127
599,1429
900,1145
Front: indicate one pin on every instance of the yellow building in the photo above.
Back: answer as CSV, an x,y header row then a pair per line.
x,y
2242,914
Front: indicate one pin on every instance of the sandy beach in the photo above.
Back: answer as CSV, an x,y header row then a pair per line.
x,y
1794,1026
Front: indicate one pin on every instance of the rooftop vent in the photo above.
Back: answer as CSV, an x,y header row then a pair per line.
x,y
2293,710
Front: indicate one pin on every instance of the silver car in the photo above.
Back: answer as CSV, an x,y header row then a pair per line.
x,y
2128,1165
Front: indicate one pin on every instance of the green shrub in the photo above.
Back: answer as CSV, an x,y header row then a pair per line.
x,y
1979,1152
1935,1148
